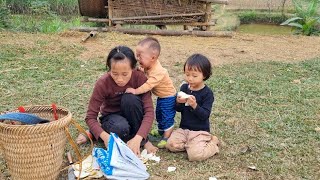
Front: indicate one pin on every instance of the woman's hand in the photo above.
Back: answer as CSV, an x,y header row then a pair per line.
x,y
140,69
181,100
134,144
131,90
192,102
105,137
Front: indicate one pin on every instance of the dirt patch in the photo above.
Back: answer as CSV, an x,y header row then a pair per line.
x,y
241,48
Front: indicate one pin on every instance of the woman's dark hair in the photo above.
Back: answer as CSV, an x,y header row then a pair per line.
x,y
200,63
119,53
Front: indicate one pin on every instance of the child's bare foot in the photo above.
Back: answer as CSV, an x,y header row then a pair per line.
x,y
150,148
81,139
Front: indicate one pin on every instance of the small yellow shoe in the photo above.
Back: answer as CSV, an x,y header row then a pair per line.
x,y
162,144
155,133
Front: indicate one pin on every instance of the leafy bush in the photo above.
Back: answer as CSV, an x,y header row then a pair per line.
x,y
49,24
247,17
61,7
306,20
40,8
4,15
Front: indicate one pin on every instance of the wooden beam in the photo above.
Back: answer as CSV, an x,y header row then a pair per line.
x,y
158,32
226,2
157,16
105,20
95,20
212,23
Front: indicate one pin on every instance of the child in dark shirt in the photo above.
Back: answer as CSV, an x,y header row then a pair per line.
x,y
194,101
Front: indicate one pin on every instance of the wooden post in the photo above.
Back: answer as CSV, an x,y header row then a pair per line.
x,y
110,12
207,16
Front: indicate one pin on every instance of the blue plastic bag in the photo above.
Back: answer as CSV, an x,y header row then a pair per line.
x,y
119,162
23,117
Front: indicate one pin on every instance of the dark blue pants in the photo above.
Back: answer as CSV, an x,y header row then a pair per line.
x,y
127,122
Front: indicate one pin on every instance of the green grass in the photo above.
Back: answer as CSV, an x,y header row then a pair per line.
x,y
260,105
62,7
252,16
44,24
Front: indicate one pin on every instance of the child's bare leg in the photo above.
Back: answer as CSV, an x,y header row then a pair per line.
x,y
167,133
150,148
165,137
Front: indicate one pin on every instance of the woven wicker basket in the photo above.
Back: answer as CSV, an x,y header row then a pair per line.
x,y
35,152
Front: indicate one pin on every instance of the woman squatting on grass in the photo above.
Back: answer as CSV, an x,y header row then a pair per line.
x,y
129,116
193,134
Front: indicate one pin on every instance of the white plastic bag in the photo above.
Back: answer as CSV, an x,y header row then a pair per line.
x,y
119,162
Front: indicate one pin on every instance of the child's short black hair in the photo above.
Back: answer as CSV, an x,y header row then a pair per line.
x,y
152,43
120,53
200,63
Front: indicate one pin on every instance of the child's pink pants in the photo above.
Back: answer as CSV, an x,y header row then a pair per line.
x,y
200,145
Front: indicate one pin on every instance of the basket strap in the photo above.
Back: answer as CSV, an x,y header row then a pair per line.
x,y
75,146
54,108
1,147
21,109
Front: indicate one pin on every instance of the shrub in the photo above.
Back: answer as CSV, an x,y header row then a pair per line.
x,y
247,17
40,8
306,20
4,15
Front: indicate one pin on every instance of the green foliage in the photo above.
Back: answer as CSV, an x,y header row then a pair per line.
x,y
40,8
41,18
47,24
247,17
306,20
62,7
4,15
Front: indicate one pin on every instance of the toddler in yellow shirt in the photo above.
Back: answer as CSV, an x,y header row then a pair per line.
x,y
160,84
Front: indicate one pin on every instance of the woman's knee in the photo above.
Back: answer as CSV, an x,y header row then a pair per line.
x,y
118,125
130,100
